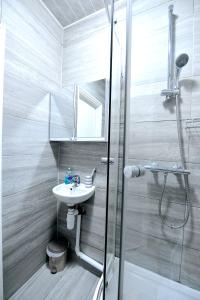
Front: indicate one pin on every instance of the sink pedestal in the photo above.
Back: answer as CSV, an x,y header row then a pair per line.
x,y
72,212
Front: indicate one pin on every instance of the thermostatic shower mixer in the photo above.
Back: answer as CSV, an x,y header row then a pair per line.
x,y
137,171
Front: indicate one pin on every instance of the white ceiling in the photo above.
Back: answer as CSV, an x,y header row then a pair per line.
x,y
70,11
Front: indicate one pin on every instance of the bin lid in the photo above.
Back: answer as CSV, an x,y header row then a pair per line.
x,y
57,246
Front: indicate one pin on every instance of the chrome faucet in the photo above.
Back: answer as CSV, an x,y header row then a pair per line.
x,y
76,180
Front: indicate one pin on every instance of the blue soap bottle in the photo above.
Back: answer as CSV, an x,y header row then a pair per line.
x,y
68,176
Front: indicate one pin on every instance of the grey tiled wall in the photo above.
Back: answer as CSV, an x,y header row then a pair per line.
x,y
33,54
86,50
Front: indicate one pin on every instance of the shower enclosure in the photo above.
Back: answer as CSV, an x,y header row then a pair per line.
x,y
157,249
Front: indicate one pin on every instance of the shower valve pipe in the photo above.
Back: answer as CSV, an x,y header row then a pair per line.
x,y
80,254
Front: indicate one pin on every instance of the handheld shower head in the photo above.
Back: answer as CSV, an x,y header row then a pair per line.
x,y
181,61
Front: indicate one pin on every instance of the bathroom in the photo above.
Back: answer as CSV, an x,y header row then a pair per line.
x,y
99,149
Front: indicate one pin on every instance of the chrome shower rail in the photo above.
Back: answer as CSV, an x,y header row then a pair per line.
x,y
170,92
170,82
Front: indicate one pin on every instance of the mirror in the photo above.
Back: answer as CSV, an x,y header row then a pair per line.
x,y
80,112
61,124
90,108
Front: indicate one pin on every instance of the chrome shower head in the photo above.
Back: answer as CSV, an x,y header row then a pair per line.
x,y
182,60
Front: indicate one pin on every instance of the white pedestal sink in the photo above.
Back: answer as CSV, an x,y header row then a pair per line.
x,y
72,195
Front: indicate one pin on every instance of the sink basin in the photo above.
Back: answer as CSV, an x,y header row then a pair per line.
x,y
71,195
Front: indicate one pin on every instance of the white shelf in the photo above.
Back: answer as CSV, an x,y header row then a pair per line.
x,y
97,140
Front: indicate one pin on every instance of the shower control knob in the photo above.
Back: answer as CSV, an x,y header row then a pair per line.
x,y
134,171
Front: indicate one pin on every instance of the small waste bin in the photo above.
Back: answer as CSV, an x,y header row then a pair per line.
x,y
57,254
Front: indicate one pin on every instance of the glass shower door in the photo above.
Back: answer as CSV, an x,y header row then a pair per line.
x,y
2,50
158,248
111,263
113,152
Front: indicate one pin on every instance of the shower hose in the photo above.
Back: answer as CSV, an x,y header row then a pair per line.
x,y
187,197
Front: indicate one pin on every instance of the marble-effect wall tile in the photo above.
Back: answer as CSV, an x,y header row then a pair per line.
x,y
33,54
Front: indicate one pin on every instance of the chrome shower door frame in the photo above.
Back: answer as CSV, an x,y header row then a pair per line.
x,y
2,52
127,96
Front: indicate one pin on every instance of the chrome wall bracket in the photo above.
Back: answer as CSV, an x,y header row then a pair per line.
x,y
170,93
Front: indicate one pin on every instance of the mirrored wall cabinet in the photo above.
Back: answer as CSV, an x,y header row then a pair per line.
x,y
80,112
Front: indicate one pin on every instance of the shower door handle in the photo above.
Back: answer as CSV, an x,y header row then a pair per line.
x,y
104,160
134,171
